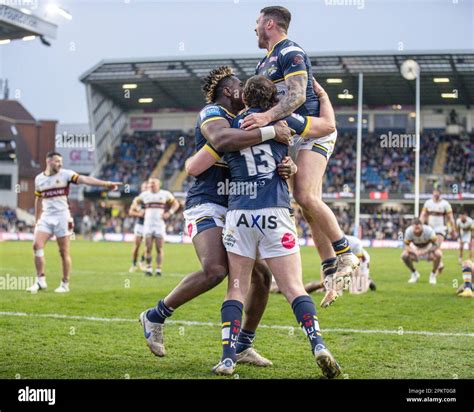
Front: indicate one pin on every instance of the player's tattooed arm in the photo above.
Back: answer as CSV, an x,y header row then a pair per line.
x,y
92,181
227,139
293,99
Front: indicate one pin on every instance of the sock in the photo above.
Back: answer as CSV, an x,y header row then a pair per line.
x,y
142,259
329,266
467,277
159,313
341,246
231,315
134,262
245,340
158,270
305,313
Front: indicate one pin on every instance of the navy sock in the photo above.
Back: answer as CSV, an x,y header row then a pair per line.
x,y
329,266
305,313
245,340
142,259
467,277
160,313
341,246
231,314
134,261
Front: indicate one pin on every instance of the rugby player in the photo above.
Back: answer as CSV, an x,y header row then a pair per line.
x,y
53,217
139,213
159,205
436,212
287,65
360,281
465,227
205,209
261,225
421,242
465,291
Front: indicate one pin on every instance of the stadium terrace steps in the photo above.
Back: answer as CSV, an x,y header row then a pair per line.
x,y
177,180
441,158
159,168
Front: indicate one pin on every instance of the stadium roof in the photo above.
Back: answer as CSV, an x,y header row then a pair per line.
x,y
17,24
176,82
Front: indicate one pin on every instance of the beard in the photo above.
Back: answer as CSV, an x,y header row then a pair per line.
x,y
262,39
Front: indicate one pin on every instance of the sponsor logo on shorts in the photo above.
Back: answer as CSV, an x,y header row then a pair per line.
x,y
258,221
228,239
288,241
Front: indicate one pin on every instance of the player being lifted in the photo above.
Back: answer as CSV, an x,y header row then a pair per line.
x,y
205,209
261,224
159,205
421,242
53,216
139,213
436,212
287,65
465,227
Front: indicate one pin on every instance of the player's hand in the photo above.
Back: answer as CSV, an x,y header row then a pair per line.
x,y
454,235
166,215
286,168
318,89
282,132
113,185
254,120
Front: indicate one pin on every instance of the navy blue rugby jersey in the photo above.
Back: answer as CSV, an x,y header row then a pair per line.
x,y
254,179
288,59
208,186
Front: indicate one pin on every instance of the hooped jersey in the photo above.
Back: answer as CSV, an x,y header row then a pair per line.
x,y
208,186
288,59
155,204
427,236
255,182
437,212
54,190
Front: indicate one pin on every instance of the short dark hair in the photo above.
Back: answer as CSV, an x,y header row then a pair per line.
x,y
49,155
416,221
281,15
260,92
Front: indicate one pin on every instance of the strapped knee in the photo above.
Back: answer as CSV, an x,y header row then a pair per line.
x,y
39,252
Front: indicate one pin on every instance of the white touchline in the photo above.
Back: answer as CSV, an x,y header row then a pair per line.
x,y
196,323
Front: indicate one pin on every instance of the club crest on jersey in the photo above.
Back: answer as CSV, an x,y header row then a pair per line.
x,y
297,60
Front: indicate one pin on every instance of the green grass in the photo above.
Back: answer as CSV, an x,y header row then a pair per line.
x,y
39,348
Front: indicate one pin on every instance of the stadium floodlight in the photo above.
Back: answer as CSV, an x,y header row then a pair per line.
x,y
346,96
55,9
351,119
145,100
6,41
397,107
129,86
449,95
441,80
410,70
28,38
333,81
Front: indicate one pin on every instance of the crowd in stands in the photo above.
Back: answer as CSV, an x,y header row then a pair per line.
x,y
460,163
9,222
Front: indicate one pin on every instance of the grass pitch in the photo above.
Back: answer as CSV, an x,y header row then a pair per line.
x,y
374,335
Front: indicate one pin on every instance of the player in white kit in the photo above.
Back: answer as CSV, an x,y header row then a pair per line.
x,y
139,213
155,201
53,217
421,243
436,213
465,227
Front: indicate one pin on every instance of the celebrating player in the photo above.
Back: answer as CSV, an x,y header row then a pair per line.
x,y
260,223
155,200
465,227
205,209
139,213
421,242
287,65
53,216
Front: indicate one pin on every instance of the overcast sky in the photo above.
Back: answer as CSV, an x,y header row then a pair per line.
x,y
46,78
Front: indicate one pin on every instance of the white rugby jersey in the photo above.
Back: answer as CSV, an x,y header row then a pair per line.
x,y
427,235
53,191
154,205
464,227
356,245
437,211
